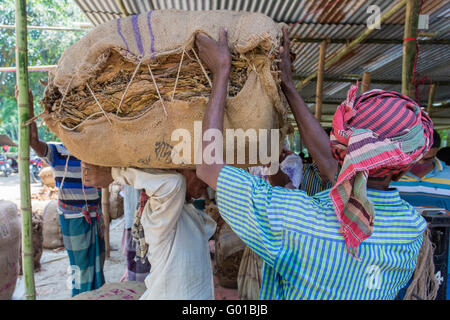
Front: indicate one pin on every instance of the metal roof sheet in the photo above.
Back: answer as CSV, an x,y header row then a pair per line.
x,y
337,19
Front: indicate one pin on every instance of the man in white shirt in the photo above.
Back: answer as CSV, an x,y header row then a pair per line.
x,y
176,232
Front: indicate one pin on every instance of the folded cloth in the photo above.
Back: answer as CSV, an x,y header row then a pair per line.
x,y
138,230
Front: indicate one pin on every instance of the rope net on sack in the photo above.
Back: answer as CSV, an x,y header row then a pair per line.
x,y
127,89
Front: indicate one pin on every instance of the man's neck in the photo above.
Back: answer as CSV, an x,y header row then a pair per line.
x,y
381,183
423,174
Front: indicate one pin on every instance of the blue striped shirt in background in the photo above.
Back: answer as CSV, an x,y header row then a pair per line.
x,y
304,254
431,190
71,193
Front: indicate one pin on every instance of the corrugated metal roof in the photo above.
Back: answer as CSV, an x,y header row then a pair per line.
x,y
337,19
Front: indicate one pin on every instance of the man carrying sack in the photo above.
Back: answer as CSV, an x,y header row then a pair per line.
x,y
176,233
358,240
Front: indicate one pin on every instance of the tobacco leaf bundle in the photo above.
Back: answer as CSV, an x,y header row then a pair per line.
x,y
120,92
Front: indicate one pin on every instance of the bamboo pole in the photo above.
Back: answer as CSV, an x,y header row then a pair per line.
x,y
107,219
6,26
374,81
431,98
371,41
24,148
355,42
409,46
320,76
367,77
30,68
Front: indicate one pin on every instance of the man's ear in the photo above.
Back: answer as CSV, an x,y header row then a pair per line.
x,y
397,176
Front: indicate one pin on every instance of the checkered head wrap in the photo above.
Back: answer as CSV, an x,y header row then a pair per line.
x,y
375,134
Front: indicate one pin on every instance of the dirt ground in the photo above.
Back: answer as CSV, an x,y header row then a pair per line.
x,y
51,280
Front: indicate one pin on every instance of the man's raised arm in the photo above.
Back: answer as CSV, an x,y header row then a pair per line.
x,y
316,140
37,145
216,56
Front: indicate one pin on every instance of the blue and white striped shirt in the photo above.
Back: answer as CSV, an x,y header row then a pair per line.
x,y
71,193
304,254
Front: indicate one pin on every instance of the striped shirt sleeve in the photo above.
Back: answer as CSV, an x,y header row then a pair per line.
x,y
251,207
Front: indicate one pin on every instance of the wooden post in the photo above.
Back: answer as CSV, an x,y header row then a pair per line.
x,y
107,219
431,98
355,42
409,45
367,76
24,148
320,76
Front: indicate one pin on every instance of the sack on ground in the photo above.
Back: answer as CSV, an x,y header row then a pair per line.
x,y
10,237
51,229
47,177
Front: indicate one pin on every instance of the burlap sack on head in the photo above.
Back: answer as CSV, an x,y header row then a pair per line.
x,y
119,93
10,237
51,229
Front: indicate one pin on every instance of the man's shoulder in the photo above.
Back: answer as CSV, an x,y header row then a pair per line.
x,y
444,173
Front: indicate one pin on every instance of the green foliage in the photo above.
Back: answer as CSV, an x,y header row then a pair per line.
x,y
44,48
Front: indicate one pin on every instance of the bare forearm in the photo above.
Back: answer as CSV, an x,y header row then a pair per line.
x,y
214,120
37,145
315,138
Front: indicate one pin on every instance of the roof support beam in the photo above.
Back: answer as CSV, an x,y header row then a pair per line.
x,y
122,8
410,46
374,81
367,76
368,41
320,76
400,4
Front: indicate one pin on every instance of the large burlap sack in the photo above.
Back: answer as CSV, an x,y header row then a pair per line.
x,y
47,177
128,290
10,238
102,101
228,253
115,201
52,235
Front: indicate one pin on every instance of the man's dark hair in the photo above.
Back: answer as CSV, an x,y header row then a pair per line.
x,y
444,155
436,140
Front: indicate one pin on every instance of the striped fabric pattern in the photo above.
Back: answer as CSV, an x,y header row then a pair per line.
x,y
432,190
375,134
85,247
312,182
138,270
71,194
304,253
